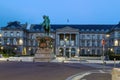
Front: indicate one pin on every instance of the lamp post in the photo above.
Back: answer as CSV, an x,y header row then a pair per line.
x,y
64,50
88,51
103,45
0,41
108,43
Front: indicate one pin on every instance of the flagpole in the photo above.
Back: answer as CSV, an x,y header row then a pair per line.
x,y
103,46
103,58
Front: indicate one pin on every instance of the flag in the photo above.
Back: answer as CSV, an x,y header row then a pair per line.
x,y
103,42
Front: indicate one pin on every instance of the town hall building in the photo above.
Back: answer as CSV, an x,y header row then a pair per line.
x,y
69,40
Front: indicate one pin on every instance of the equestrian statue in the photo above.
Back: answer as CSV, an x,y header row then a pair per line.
x,y
46,25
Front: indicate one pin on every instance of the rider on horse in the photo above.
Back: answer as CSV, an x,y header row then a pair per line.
x,y
46,24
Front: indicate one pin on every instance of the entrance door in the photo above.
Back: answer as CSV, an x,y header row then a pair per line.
x,y
67,52
73,52
61,52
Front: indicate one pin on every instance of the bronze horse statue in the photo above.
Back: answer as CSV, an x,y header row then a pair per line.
x,y
46,24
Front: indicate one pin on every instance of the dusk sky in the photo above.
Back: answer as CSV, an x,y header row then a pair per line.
x,y
77,11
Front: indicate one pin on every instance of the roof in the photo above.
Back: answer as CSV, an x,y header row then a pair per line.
x,y
36,27
15,25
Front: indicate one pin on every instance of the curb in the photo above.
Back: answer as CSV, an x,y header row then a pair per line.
x,y
83,74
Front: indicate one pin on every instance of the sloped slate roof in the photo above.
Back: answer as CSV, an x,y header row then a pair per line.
x,y
15,25
80,27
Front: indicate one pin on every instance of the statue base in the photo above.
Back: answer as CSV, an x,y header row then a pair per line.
x,y
43,55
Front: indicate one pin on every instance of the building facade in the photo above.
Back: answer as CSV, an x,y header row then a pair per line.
x,y
69,40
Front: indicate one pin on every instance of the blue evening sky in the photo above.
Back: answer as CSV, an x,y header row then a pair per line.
x,y
77,11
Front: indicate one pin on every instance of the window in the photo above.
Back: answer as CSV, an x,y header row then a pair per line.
x,y
88,36
93,51
88,42
11,41
5,41
118,51
83,43
83,51
11,34
82,30
32,36
97,30
83,36
18,34
92,29
87,30
98,52
5,33
93,42
98,36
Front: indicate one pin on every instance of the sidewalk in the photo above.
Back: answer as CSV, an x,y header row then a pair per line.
x,y
97,76
92,75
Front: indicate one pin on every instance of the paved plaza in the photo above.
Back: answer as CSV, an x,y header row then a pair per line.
x,y
69,70
39,71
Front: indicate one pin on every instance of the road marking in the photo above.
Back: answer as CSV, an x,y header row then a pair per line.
x,y
101,71
81,75
78,76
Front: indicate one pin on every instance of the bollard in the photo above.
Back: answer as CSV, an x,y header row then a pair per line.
x,y
114,62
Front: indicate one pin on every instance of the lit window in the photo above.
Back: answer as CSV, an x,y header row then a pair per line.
x,y
116,43
20,41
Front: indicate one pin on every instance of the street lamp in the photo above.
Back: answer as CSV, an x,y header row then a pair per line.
x,y
1,48
88,51
64,50
70,52
15,48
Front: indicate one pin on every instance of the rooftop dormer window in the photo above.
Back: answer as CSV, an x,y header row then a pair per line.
x,y
82,30
97,30
87,30
102,30
92,29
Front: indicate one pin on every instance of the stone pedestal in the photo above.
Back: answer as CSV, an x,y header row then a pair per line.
x,y
116,74
43,55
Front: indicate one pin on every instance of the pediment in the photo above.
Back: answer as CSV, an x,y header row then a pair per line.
x,y
68,29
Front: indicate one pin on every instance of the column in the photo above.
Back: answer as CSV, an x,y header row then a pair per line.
x,y
76,39
70,40
70,52
2,41
64,46
58,39
64,50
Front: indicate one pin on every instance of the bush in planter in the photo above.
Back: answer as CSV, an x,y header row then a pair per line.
x,y
116,56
